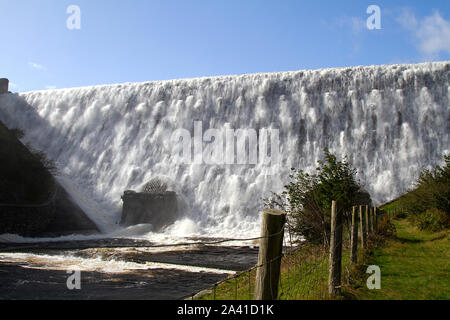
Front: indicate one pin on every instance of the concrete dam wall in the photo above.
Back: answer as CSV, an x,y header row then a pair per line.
x,y
391,121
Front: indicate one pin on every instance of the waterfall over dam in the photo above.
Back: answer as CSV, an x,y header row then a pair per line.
x,y
391,121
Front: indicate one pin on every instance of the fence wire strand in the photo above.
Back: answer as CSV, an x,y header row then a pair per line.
x,y
304,270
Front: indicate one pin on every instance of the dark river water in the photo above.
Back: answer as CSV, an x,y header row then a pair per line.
x,y
116,269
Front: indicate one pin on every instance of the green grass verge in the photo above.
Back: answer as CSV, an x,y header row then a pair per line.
x,y
415,265
304,276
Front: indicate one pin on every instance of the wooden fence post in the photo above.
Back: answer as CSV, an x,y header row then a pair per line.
x,y
375,220
363,228
334,280
367,222
354,239
371,219
269,257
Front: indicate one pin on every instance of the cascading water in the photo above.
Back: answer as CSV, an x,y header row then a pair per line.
x,y
390,121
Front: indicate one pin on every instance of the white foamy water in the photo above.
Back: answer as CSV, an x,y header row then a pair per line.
x,y
390,120
72,263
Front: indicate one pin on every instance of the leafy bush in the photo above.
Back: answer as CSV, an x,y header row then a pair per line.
x,y
307,198
428,204
385,228
433,220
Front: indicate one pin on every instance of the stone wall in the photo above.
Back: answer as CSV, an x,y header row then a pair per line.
x,y
159,210
59,216
27,221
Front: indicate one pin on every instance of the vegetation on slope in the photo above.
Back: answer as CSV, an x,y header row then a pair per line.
x,y
412,250
307,198
428,204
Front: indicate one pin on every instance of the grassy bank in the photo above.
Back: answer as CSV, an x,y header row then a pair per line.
x,y
415,265
304,276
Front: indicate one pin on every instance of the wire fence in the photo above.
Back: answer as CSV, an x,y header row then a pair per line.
x,y
303,276
239,286
305,266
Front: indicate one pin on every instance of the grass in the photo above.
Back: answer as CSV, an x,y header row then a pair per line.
x,y
415,265
303,276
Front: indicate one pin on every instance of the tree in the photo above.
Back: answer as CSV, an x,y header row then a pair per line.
x,y
307,198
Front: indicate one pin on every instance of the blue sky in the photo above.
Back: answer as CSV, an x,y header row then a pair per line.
x,y
144,40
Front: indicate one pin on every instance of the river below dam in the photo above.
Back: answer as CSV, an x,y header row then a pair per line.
x,y
116,269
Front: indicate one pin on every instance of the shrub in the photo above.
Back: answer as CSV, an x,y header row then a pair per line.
x,y
307,198
385,228
433,220
428,204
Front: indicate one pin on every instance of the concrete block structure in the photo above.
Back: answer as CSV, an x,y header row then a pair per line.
x,y
157,209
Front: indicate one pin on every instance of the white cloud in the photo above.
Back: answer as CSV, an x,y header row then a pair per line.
x,y
355,24
36,66
48,87
407,19
432,33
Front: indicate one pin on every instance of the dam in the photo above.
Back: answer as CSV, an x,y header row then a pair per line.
x,y
391,121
